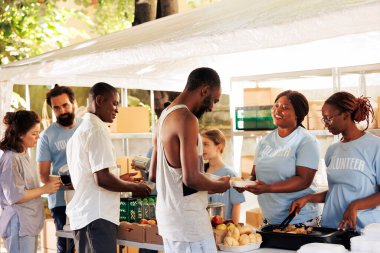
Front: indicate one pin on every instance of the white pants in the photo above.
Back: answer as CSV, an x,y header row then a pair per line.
x,y
203,246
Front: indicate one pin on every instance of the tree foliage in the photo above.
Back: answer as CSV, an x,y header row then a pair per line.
x,y
109,15
30,27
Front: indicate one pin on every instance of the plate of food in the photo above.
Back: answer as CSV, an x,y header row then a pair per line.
x,y
241,183
240,238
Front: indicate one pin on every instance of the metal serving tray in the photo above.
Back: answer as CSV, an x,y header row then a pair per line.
x,y
295,241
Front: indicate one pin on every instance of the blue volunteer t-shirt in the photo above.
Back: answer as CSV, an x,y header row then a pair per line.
x,y
353,172
52,147
276,160
229,197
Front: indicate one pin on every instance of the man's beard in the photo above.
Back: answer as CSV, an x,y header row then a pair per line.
x,y
204,108
66,119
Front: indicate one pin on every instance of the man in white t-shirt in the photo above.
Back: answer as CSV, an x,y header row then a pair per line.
x,y
95,208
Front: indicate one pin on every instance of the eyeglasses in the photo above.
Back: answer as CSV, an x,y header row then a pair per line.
x,y
329,120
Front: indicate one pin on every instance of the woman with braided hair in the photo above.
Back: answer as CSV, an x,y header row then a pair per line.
x,y
353,166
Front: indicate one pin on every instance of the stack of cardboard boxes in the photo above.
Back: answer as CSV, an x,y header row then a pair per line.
x,y
142,233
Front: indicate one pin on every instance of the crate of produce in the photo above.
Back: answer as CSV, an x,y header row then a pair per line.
x,y
254,118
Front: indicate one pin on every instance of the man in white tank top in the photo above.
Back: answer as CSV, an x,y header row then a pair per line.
x,y
177,168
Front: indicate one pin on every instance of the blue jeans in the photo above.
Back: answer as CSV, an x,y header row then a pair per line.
x,y
59,215
19,244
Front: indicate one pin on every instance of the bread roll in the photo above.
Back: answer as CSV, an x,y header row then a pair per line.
x,y
255,238
259,238
244,239
233,232
252,238
245,230
230,241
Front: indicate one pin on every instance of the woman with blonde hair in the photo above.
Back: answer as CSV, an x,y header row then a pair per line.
x,y
214,142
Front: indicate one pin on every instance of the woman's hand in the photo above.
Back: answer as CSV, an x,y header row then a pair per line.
x,y
259,188
298,204
51,186
349,217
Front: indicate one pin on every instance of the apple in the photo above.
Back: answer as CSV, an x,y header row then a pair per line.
x,y
216,220
144,221
221,227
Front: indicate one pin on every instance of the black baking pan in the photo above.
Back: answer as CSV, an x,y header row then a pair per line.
x,y
295,241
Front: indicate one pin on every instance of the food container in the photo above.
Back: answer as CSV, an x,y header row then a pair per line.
x,y
372,231
141,163
243,248
215,209
364,244
242,183
295,241
322,248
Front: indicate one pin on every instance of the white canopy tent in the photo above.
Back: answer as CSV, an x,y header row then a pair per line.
x,y
235,37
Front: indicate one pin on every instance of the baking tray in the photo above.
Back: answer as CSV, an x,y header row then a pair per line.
x,y
295,241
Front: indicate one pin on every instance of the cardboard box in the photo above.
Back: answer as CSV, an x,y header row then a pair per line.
x,y
314,117
260,96
124,163
246,163
131,232
152,236
131,120
49,240
254,217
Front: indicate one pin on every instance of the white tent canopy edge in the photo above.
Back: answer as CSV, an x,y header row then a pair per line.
x,y
239,37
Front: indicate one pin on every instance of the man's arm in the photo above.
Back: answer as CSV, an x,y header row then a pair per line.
x,y
153,159
44,169
110,182
192,177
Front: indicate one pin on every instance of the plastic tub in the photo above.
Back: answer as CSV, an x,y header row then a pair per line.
x,y
322,248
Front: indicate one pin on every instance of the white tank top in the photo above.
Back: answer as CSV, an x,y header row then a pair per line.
x,y
180,211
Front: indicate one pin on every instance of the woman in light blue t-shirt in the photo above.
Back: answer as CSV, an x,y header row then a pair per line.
x,y
353,166
286,161
213,145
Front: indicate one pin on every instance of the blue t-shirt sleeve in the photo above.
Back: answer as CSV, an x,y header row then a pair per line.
x,y
257,152
235,196
43,151
308,154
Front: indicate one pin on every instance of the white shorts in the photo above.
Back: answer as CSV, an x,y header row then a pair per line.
x,y
203,246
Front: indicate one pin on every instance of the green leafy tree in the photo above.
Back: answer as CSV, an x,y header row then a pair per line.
x,y
30,27
108,15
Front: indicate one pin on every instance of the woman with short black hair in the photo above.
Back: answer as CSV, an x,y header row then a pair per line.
x,y
286,161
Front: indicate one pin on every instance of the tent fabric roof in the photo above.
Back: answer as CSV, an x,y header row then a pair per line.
x,y
236,37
